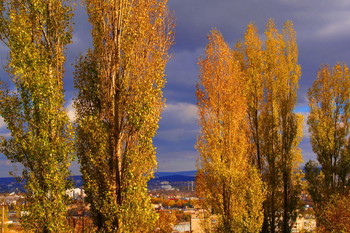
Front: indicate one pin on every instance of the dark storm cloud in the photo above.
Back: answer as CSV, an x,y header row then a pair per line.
x,y
182,73
323,37
176,137
197,17
321,26
81,42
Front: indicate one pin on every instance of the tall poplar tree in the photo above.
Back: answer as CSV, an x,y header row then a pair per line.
x,y
282,127
329,125
272,73
228,182
254,64
290,129
118,106
36,33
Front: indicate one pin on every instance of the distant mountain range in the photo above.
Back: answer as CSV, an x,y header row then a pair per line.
x,y
181,176
10,184
182,173
175,178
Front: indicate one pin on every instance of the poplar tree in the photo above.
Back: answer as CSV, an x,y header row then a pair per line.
x,y
36,33
290,128
118,106
228,182
283,154
252,58
282,127
329,126
272,73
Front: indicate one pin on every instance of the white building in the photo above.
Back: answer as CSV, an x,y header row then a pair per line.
x,y
75,193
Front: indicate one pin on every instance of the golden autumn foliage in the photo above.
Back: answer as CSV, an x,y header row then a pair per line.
x,y
334,214
272,73
282,127
329,128
118,106
246,100
166,222
229,184
252,59
329,123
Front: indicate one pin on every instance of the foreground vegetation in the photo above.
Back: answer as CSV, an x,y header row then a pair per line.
x,y
249,176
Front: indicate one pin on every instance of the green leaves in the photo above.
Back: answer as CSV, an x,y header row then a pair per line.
x,y
36,34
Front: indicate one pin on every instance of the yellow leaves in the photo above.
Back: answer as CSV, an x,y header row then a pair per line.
x,y
334,214
329,124
254,84
223,142
121,83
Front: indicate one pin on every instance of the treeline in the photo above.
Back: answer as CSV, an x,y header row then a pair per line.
x,y
249,168
118,106
249,173
248,144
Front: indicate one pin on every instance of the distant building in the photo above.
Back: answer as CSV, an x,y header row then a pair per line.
x,y
197,222
166,186
190,185
157,206
182,227
305,224
75,193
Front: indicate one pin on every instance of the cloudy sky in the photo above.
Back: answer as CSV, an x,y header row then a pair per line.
x,y
323,32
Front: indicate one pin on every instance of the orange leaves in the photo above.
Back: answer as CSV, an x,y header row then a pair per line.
x,y
335,214
246,99
223,141
220,79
